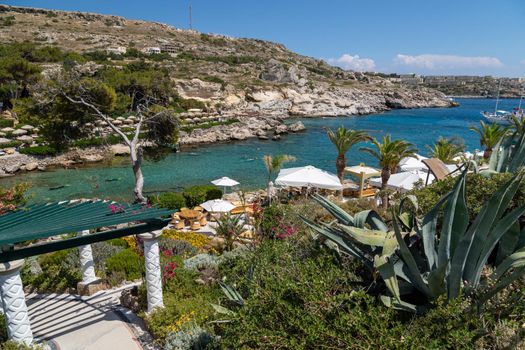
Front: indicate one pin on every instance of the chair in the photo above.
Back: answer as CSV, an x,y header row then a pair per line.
x,y
203,221
197,208
437,168
175,216
195,225
179,225
183,209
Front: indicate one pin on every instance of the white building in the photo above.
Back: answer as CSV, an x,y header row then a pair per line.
x,y
119,50
152,50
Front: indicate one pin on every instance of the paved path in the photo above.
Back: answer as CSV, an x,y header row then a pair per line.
x,y
97,322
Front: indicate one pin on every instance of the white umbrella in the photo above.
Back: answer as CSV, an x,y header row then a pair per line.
x,y
308,176
225,182
409,163
403,181
217,206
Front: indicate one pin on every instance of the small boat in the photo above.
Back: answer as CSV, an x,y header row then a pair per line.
x,y
58,187
114,179
501,116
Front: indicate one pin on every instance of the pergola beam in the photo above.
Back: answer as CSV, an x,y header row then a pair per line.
x,y
9,253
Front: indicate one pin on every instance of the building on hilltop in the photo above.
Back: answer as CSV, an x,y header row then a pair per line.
x,y
152,50
169,48
119,50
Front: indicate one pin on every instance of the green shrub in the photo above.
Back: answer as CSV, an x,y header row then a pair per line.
x,y
169,200
11,144
300,296
126,261
7,123
39,150
60,272
198,194
480,189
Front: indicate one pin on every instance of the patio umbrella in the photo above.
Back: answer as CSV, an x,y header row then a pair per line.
x,y
363,172
225,182
410,164
308,176
403,181
217,206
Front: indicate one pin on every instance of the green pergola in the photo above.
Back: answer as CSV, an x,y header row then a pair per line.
x,y
22,232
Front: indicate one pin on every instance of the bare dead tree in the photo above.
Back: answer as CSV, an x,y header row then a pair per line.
x,y
145,116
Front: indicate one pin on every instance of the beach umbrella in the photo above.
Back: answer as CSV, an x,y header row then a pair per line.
x,y
403,181
217,206
225,182
363,172
308,176
409,163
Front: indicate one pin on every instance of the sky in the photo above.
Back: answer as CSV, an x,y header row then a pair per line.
x,y
431,37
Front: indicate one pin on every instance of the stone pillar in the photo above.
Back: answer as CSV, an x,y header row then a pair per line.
x,y
14,302
153,269
87,265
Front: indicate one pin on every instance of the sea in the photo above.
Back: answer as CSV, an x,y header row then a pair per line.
x,y
242,160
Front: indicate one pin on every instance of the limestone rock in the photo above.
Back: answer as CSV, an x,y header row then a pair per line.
x,y
296,127
276,137
4,141
91,158
119,150
7,130
25,139
19,132
31,166
281,129
11,169
28,127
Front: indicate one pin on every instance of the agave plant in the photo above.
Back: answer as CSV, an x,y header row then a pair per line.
x,y
414,257
509,153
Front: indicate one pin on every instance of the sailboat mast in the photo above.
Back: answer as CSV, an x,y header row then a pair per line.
x,y
497,98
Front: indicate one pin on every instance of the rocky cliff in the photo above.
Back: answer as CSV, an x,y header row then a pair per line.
x,y
234,76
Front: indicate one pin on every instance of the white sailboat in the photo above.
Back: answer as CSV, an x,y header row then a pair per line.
x,y
501,116
498,116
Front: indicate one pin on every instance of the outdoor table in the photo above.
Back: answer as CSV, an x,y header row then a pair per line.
x,y
190,214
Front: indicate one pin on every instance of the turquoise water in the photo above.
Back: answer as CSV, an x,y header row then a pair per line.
x,y
243,160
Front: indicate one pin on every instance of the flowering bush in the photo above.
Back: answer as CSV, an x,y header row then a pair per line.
x,y
199,241
169,271
11,198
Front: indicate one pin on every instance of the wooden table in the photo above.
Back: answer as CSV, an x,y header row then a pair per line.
x,y
190,214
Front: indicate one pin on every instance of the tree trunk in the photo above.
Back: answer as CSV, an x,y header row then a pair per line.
x,y
487,153
340,164
385,176
136,162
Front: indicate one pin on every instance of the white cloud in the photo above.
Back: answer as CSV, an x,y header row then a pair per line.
x,y
356,63
437,62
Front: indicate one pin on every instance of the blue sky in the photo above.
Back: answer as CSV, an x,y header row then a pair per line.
x,y
420,36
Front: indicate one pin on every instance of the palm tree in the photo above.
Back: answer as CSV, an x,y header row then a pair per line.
x,y
273,164
447,149
489,136
389,153
518,125
344,139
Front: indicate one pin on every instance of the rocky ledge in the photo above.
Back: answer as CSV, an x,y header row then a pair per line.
x,y
247,127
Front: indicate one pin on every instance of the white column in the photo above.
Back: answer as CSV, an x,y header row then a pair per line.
x,y
153,269
14,302
87,264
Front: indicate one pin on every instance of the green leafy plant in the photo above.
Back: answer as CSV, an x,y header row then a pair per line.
x,y
446,149
230,228
489,136
169,200
126,261
198,194
415,258
389,153
344,139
